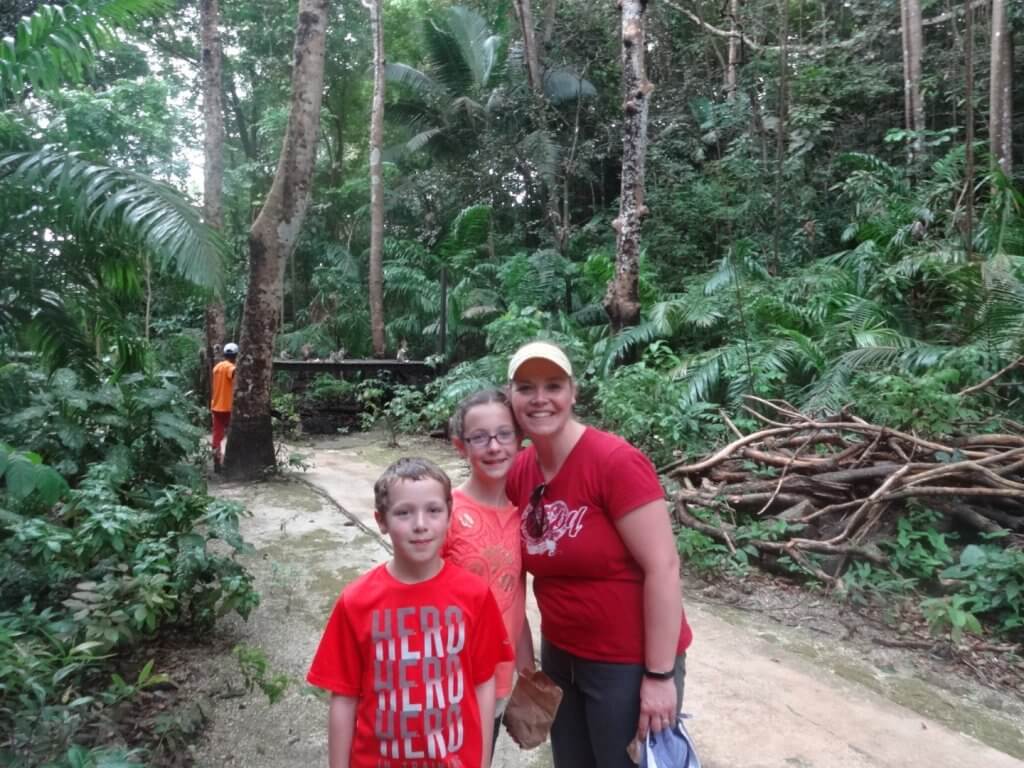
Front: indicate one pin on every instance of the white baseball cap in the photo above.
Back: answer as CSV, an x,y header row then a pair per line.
x,y
231,348
539,350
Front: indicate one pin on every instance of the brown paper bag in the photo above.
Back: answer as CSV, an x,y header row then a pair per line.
x,y
531,709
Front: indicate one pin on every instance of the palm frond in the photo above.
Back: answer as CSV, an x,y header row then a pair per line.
x,y
421,140
469,231
420,83
592,314
444,56
704,374
618,347
121,204
478,49
57,335
542,150
58,44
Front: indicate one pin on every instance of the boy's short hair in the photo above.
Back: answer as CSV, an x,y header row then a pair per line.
x,y
408,468
457,423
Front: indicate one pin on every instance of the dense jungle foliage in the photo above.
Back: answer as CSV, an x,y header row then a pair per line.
x,y
809,240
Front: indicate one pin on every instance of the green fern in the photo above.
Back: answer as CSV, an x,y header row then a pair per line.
x,y
58,44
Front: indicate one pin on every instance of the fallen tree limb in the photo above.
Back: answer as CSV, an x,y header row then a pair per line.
x,y
778,547
679,466
1019,362
851,489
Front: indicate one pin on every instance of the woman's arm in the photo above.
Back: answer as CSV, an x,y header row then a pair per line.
x,y
341,726
524,649
485,701
647,534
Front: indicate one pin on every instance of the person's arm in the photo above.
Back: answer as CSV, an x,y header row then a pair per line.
x,y
341,726
524,649
485,702
647,534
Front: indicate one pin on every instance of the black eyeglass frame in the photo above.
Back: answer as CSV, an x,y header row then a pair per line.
x,y
476,437
537,521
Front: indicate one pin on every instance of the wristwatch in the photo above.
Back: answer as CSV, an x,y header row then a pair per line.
x,y
659,675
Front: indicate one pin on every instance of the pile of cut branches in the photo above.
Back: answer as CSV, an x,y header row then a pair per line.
x,y
838,482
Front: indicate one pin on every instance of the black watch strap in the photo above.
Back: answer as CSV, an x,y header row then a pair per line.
x,y
659,675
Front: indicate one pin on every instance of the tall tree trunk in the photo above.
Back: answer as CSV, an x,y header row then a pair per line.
x,y
622,300
335,101
549,21
969,134
524,14
780,135
376,275
213,168
1000,117
272,240
735,43
912,50
442,318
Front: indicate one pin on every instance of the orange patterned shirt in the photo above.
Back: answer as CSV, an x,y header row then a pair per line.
x,y
485,541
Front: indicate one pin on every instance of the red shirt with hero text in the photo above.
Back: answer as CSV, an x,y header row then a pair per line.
x,y
589,587
413,654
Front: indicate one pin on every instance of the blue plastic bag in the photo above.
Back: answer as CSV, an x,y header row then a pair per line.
x,y
672,748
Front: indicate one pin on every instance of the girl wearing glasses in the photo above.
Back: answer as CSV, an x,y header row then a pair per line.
x,y
598,541
484,534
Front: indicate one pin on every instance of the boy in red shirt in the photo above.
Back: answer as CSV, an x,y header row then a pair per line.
x,y
410,649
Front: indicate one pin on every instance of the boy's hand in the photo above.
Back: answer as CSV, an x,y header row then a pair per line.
x,y
657,706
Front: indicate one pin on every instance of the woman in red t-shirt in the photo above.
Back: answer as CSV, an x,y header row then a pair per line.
x,y
598,541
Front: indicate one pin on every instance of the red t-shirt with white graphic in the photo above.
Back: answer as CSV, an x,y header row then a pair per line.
x,y
413,654
588,586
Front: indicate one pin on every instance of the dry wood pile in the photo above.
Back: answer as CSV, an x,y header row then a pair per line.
x,y
840,481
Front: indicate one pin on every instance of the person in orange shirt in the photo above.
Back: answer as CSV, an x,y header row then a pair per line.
x,y
221,399
484,534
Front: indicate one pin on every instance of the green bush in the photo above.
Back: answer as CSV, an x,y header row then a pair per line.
x,y
144,423
106,536
989,582
927,403
644,404
327,391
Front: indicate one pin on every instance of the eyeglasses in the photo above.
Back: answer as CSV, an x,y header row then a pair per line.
x,y
504,436
537,519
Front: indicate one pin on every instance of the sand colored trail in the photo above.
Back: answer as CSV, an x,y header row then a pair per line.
x,y
762,695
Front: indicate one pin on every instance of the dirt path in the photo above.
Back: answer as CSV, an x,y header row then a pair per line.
x,y
763,694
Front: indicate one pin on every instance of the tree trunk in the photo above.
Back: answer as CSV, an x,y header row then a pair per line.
x,y
376,274
1000,110
213,169
442,318
272,239
780,137
735,43
524,14
969,134
549,21
622,300
913,104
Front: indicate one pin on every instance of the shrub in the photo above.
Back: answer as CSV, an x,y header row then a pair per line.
x,y
106,536
645,405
